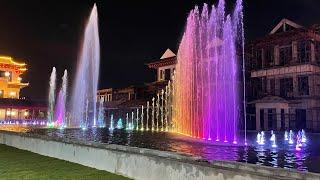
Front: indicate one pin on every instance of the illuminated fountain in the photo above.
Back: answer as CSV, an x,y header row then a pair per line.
x,y
147,126
299,141
86,81
286,136
142,114
291,137
137,120
100,122
261,138
111,127
119,124
303,136
51,97
60,108
273,139
206,101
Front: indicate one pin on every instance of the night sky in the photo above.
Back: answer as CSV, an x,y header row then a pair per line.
x,y
132,33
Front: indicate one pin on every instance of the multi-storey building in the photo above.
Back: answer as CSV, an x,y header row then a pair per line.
x,y
12,106
284,79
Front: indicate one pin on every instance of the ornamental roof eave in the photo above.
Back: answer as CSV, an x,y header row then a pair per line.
x,y
163,62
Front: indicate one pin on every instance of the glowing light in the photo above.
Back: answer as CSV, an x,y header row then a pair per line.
x,y
291,137
205,82
7,74
8,113
12,93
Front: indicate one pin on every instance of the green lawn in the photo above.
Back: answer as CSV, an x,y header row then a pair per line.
x,y
19,164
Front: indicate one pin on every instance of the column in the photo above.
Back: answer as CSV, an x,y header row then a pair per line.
x,y
258,128
294,51
312,51
276,55
262,59
265,118
295,86
286,118
312,85
278,113
277,86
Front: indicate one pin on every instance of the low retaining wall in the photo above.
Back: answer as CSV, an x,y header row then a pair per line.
x,y
139,163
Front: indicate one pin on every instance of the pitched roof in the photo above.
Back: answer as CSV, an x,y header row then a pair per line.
x,y
168,54
285,24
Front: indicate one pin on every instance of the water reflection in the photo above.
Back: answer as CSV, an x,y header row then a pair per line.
x,y
284,155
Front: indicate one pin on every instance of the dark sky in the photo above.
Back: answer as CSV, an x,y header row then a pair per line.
x,y
132,33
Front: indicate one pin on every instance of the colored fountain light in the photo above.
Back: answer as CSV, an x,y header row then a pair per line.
x,y
286,136
119,124
303,136
299,143
206,94
84,92
261,138
291,137
273,139
111,127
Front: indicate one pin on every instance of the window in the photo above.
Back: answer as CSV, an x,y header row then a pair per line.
x,y
109,97
303,84
161,74
285,55
304,51
258,59
286,87
268,56
317,52
272,87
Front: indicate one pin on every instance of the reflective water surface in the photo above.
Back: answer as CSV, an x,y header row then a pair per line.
x,y
283,156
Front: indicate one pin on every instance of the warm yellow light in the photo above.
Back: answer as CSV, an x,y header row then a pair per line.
x,y
26,113
19,78
12,93
13,62
8,113
23,69
5,57
7,74
13,113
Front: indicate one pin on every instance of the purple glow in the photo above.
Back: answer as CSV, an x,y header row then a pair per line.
x,y
206,80
59,113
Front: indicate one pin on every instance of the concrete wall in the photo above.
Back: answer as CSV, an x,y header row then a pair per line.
x,y
139,163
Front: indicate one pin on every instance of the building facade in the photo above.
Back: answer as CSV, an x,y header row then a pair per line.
x,y
12,106
284,78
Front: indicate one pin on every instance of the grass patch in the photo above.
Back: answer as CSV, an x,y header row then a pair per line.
x,y
20,164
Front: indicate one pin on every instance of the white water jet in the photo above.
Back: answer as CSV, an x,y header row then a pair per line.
x,y
86,81
51,100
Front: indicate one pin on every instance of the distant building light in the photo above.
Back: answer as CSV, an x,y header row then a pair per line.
x,y
12,93
26,113
13,113
19,78
8,113
7,74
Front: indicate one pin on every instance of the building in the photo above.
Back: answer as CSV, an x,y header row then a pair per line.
x,y
284,78
10,80
164,66
12,106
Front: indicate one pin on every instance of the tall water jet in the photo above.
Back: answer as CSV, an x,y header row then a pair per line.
x,y
51,100
60,109
101,115
86,81
206,83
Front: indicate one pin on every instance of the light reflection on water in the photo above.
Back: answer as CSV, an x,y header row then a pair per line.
x,y
284,156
